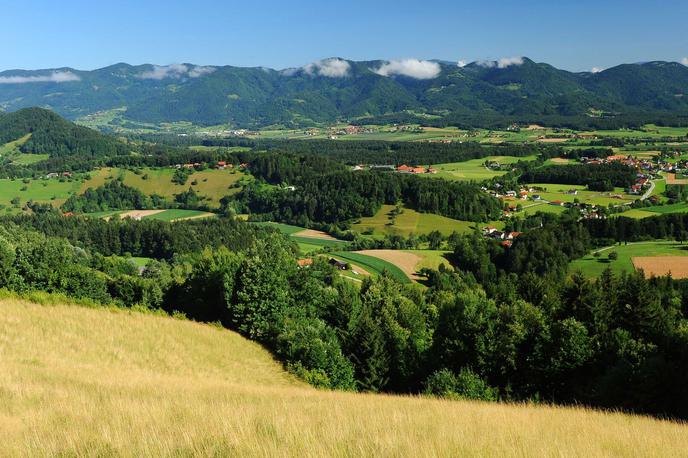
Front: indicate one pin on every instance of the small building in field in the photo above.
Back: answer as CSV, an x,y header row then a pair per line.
x,y
340,265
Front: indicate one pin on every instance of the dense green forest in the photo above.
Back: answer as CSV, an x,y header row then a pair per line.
x,y
53,135
324,193
598,177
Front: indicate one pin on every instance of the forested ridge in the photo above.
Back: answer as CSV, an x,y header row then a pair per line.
x,y
478,94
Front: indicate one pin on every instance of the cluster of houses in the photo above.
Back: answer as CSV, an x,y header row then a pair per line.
x,y
400,169
220,165
58,175
505,239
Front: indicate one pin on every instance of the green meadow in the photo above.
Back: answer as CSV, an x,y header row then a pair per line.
x,y
52,191
210,183
412,222
592,266
475,170
553,192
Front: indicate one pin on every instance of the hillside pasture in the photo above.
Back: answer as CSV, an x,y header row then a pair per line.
x,y
76,381
411,222
210,183
52,191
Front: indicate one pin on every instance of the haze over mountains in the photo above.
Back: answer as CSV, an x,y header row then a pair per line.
x,y
336,89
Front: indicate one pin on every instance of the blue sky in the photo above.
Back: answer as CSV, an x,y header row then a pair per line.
x,y
578,35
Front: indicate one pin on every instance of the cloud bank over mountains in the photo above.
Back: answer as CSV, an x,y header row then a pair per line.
x,y
54,77
160,72
331,68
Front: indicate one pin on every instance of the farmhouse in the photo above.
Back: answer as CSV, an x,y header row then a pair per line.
x,y
338,264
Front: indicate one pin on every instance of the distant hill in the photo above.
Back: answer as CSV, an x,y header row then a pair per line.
x,y
337,89
105,382
44,132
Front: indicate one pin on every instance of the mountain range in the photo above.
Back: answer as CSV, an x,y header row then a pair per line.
x,y
342,90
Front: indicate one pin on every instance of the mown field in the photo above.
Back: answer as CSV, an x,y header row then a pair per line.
x,y
76,381
474,170
314,241
162,215
552,192
412,222
373,265
593,267
210,183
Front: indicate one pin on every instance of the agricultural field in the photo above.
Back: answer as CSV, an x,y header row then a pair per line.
x,y
213,184
161,215
308,240
208,391
475,170
374,265
593,267
552,192
412,222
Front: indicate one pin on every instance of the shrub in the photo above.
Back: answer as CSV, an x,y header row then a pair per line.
x,y
467,385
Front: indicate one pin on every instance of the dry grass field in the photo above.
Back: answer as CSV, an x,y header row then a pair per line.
x,y
76,381
659,266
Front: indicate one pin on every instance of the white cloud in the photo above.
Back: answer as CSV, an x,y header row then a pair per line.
x,y
54,77
597,69
684,61
504,62
331,68
413,68
462,63
160,72
200,71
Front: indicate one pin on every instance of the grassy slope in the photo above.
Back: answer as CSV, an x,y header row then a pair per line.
x,y
593,267
411,221
40,190
217,184
77,381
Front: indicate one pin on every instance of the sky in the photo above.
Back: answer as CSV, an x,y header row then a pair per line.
x,y
575,35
